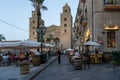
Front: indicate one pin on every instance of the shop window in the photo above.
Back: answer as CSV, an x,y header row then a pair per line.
x,y
111,41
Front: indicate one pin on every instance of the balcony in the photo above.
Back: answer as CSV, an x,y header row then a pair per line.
x,y
83,1
83,21
114,5
111,7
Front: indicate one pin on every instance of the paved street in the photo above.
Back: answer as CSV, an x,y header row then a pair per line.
x,y
66,71
13,73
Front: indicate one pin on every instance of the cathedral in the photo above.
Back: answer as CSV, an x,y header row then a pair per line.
x,y
60,36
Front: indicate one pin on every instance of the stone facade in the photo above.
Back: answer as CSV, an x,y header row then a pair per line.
x,y
62,32
33,26
102,23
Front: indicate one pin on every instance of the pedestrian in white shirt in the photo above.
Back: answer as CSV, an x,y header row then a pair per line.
x,y
77,53
37,52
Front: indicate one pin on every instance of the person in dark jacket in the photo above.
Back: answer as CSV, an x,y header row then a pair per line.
x,y
86,61
59,56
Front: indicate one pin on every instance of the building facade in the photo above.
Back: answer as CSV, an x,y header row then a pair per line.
x,y
62,33
98,20
33,26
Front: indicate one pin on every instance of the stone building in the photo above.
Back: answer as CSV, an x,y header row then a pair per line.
x,y
98,20
33,26
62,33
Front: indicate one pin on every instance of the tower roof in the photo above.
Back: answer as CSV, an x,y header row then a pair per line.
x,y
66,5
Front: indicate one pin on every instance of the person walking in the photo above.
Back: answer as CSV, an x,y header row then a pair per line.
x,y
86,61
59,56
86,58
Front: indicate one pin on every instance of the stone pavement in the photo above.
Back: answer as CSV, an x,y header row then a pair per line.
x,y
13,72
66,71
116,71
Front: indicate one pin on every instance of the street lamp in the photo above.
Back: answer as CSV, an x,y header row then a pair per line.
x,y
41,31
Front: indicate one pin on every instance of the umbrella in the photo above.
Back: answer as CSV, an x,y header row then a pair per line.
x,y
8,44
49,45
69,49
20,44
29,43
91,43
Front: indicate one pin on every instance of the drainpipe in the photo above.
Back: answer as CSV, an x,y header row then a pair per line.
x,y
92,22
93,27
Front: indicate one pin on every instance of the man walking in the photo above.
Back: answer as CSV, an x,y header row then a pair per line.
x,y
86,61
59,56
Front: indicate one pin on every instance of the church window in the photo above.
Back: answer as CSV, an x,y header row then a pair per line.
x,y
65,10
65,19
33,27
65,31
33,33
111,41
65,25
33,21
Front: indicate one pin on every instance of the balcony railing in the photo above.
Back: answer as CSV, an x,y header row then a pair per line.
x,y
111,4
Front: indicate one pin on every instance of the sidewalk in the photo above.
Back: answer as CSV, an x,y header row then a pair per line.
x,y
13,72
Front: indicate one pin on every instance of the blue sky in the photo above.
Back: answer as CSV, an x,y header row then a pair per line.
x,y
15,14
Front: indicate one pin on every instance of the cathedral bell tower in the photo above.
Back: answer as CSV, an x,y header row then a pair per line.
x,y
66,27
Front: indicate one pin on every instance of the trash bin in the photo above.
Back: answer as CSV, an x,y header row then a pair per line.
x,y
78,63
24,68
36,60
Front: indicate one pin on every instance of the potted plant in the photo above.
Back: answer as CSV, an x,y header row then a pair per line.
x,y
113,62
107,57
116,57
